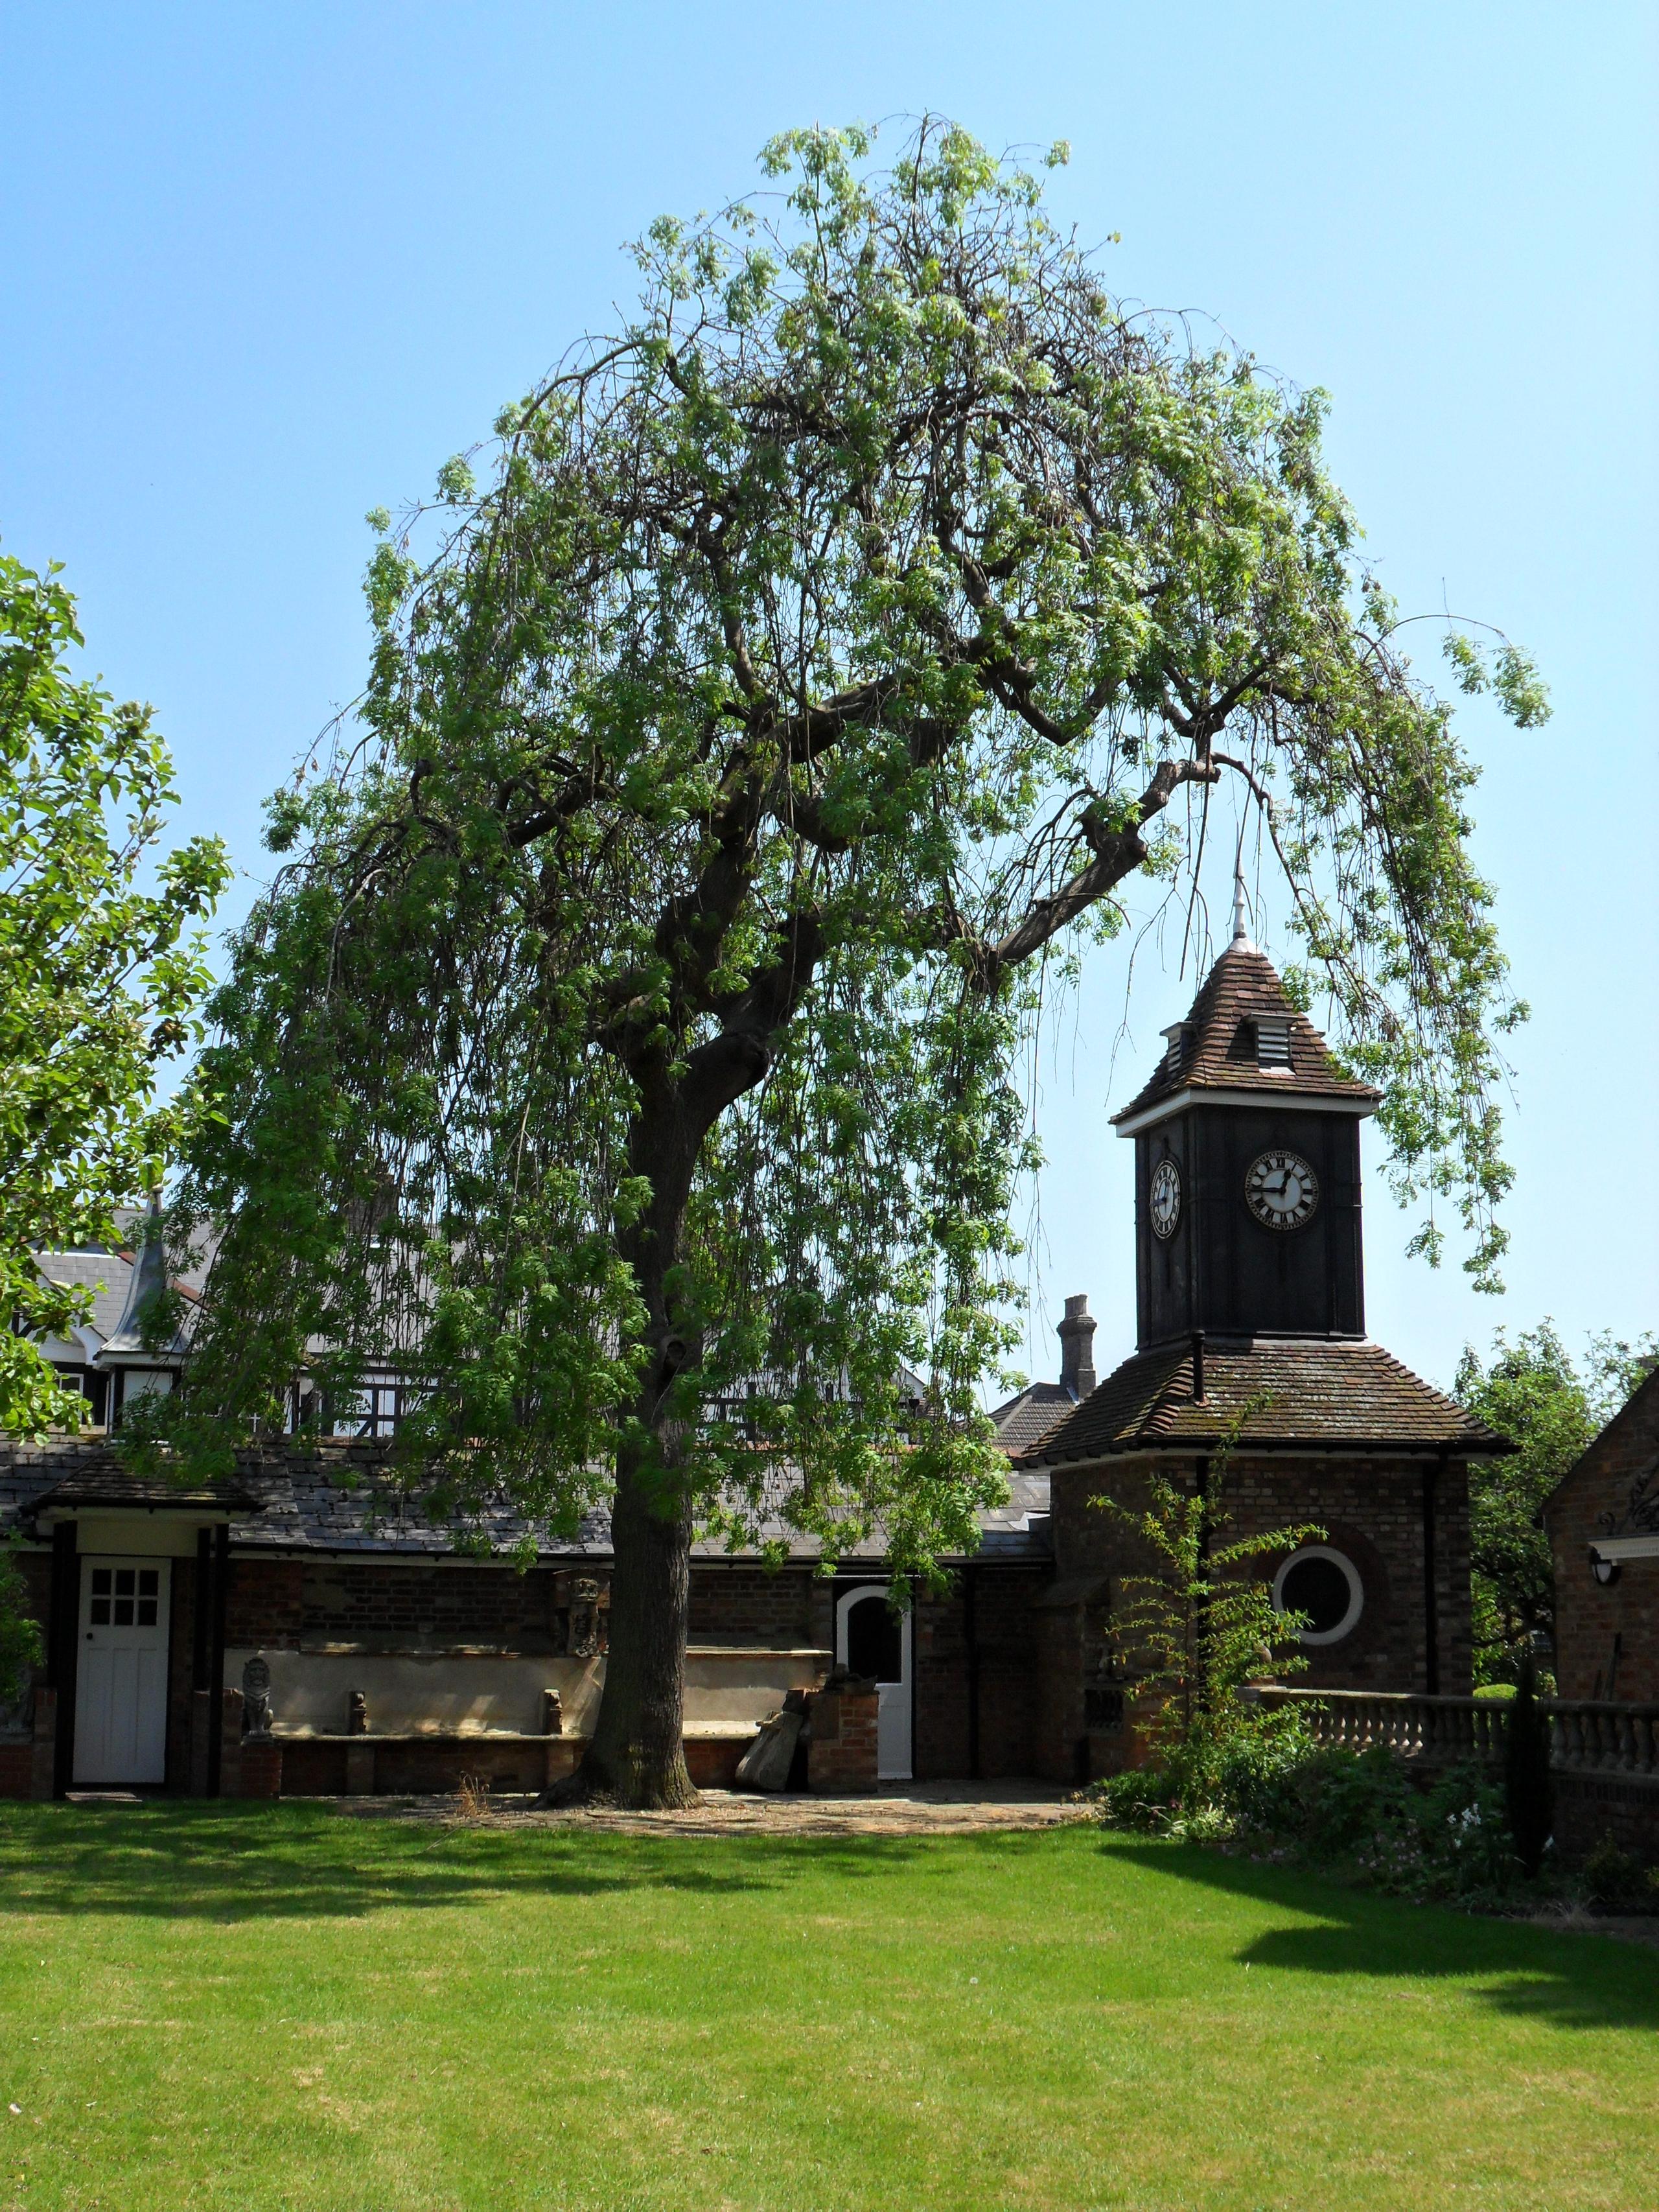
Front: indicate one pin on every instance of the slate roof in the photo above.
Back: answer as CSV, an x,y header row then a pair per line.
x,y
342,1500
108,1275
1215,1049
1319,1395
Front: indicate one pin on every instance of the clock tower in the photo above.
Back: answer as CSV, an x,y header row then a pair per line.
x,y
1253,1384
1247,1169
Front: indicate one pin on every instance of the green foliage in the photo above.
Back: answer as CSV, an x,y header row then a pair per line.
x,y
98,976
1198,1631
1614,1880
1361,1815
1529,1789
20,1637
1531,1391
629,1045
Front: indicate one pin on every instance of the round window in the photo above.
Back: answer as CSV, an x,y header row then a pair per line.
x,y
1323,1586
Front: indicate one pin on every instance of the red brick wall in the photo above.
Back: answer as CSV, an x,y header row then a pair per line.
x,y
841,1755
1005,1636
1371,1509
750,1605
1606,1635
1596,1808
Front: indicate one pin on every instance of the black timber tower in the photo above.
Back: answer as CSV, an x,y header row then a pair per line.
x,y
1247,1169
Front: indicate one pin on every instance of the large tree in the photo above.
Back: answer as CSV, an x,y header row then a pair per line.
x,y
100,972
629,1045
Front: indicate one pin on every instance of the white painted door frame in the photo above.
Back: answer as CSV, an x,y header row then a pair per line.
x,y
121,1669
895,1701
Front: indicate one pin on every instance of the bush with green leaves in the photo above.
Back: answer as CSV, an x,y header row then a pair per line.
x,y
1363,1816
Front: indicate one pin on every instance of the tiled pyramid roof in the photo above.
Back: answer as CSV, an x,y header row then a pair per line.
x,y
1215,1049
1022,1420
1318,1395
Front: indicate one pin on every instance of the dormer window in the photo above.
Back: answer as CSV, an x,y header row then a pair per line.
x,y
1176,1034
1273,1040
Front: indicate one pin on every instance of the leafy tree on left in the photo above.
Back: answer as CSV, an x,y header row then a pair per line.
x,y
100,972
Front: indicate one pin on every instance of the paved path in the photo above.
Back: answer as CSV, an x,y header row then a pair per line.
x,y
900,1808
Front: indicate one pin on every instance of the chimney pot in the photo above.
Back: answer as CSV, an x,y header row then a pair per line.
x,y
1076,1359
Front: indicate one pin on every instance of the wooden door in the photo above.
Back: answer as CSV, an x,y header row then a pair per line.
x,y
873,1642
121,1676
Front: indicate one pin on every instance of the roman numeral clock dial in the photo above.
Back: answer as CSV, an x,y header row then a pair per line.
x,y
1281,1189
1164,1196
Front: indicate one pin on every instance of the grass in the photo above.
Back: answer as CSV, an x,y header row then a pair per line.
x,y
212,2007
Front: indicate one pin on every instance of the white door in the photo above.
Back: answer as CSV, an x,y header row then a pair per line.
x,y
121,1677
870,1642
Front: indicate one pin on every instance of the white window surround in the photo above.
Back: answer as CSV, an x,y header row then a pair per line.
x,y
1356,1592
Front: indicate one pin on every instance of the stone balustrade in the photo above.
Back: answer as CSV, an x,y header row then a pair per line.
x,y
1587,1736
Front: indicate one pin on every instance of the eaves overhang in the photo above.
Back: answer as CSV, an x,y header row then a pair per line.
x,y
1242,1094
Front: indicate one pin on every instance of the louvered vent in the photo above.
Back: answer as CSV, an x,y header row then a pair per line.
x,y
1273,1040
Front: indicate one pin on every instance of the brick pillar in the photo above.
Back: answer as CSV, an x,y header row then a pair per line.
x,y
840,1752
42,1765
262,1766
230,1744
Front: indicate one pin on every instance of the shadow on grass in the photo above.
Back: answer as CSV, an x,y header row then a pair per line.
x,y
1571,1980
177,1860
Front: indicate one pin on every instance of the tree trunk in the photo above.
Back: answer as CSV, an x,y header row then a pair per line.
x,y
637,1755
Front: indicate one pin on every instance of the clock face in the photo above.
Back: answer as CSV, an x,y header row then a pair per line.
x,y
1281,1189
1164,1198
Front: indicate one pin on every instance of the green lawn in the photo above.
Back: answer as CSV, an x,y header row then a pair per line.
x,y
206,2007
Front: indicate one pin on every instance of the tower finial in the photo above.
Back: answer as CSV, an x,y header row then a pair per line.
x,y
1241,914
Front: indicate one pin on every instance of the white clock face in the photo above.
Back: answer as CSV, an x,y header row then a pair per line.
x,y
1164,1198
1281,1189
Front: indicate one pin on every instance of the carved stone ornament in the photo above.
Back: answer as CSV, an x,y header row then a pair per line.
x,y
256,1716
1641,1514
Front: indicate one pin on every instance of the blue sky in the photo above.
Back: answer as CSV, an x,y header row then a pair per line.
x,y
266,269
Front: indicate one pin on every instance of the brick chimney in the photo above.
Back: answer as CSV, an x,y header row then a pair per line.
x,y
1077,1355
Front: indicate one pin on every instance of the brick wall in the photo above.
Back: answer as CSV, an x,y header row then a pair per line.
x,y
1004,1656
751,1605
1372,1510
1596,1808
281,1603
1606,1635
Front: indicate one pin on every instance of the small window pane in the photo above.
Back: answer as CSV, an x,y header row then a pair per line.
x,y
146,1613
100,1612
124,1579
124,1612
150,1582
100,1581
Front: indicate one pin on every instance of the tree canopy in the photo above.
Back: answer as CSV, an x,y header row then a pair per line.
x,y
1551,1405
100,972
628,1043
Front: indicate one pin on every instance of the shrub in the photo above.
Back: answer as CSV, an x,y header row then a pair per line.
x,y
1615,1881
1359,1814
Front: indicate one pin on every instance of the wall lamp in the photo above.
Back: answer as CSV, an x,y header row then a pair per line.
x,y
1604,1571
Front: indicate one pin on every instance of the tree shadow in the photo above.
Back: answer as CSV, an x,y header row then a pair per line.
x,y
179,1860
1521,1969
305,1862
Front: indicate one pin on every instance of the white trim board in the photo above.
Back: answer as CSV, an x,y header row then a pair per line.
x,y
1228,1094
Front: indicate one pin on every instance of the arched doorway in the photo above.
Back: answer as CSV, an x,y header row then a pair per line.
x,y
870,1640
